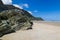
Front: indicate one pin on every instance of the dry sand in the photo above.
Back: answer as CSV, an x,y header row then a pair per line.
x,y
41,31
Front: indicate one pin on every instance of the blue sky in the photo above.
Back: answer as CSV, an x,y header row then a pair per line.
x,y
47,9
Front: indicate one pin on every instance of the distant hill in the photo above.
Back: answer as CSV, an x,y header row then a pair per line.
x,y
38,19
31,16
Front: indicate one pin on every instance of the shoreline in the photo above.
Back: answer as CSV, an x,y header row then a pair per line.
x,y
41,31
54,23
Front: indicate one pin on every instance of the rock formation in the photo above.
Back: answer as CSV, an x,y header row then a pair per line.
x,y
13,19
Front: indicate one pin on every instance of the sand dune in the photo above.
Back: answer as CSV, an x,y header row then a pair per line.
x,y
41,31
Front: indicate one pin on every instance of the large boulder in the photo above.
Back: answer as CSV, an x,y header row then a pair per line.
x,y
13,20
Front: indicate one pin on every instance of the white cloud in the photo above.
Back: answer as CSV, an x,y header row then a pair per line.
x,y
30,12
21,6
18,6
7,2
25,5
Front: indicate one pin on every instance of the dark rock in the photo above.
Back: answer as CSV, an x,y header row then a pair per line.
x,y
13,19
1,3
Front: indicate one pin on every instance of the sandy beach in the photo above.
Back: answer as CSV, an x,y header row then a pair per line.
x,y
40,31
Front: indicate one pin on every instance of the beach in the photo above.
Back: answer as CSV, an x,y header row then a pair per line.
x,y
41,31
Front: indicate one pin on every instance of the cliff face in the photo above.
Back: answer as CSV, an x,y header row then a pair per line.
x,y
13,19
9,7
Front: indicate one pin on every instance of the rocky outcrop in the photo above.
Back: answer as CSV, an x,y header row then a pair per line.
x,y
13,19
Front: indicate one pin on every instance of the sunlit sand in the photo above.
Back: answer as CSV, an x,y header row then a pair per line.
x,y
40,31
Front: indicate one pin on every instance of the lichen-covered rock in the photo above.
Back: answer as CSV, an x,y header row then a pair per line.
x,y
13,20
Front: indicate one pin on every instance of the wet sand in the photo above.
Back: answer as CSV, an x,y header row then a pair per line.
x,y
40,31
